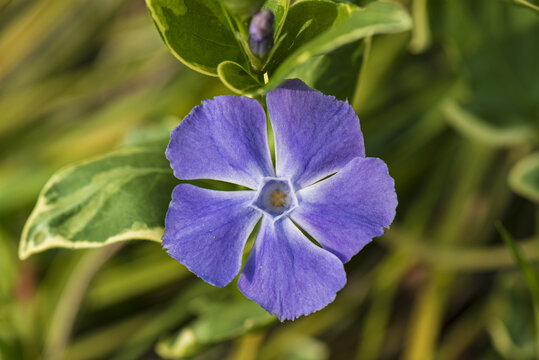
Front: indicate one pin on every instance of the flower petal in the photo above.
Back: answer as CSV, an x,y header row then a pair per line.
x,y
287,274
344,212
315,134
222,139
206,230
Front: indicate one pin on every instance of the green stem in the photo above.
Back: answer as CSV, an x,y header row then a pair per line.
x,y
421,31
357,97
527,3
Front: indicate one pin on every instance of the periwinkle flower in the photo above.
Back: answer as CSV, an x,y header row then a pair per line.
x,y
261,33
315,136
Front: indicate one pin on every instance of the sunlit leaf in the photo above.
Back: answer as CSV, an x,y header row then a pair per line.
x,y
198,32
305,21
342,24
120,196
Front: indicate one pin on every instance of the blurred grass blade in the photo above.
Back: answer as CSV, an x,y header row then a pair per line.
x,y
166,320
426,319
71,298
529,274
458,258
148,270
528,4
375,327
27,30
102,341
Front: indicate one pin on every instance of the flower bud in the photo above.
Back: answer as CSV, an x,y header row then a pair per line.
x,y
261,33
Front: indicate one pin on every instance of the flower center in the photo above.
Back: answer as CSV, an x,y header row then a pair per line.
x,y
275,197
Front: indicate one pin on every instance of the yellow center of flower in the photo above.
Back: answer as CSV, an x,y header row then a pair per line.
x,y
277,198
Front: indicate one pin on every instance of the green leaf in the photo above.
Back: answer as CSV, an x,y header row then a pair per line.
x,y
335,73
198,32
120,196
219,321
316,27
237,78
524,177
305,21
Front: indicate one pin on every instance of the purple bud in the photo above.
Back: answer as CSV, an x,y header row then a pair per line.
x,y
261,33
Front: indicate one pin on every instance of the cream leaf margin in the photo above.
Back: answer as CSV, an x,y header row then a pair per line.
x,y
27,248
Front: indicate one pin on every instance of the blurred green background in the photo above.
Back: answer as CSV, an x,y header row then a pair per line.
x,y
452,107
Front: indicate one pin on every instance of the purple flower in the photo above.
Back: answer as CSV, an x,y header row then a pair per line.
x,y
261,33
315,136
